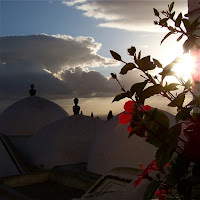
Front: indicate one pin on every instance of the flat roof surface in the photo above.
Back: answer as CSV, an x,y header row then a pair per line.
x,y
75,178
50,190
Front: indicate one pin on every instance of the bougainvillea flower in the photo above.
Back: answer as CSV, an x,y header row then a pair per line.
x,y
137,182
125,117
161,193
129,129
128,106
145,108
152,166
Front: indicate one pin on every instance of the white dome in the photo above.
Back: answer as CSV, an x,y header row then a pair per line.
x,y
112,148
28,115
7,167
66,141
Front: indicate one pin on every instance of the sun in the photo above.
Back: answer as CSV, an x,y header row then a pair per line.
x,y
185,67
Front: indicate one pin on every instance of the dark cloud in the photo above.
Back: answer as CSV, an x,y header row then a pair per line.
x,y
75,82
90,83
50,62
17,76
37,58
54,53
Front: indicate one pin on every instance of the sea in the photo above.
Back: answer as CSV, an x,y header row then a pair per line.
x,y
100,107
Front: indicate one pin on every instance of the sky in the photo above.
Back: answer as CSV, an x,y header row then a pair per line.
x,y
63,48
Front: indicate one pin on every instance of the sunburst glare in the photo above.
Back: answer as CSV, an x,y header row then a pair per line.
x,y
185,67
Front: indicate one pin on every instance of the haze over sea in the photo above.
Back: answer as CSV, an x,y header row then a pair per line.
x,y
99,106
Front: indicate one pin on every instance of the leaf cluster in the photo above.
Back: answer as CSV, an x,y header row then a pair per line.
x,y
182,180
178,24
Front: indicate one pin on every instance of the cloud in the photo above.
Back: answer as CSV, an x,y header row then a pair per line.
x,y
132,15
90,83
55,53
74,2
16,78
37,58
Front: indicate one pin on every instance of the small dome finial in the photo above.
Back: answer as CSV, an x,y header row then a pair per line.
x,y
110,115
32,91
76,108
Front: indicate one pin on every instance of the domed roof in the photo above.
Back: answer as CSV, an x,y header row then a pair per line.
x,y
66,141
112,148
28,115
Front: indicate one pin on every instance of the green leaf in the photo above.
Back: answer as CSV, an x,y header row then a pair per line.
x,y
171,29
151,188
151,139
119,97
178,20
157,124
139,55
196,192
163,155
129,94
151,91
138,87
145,64
189,43
167,71
171,180
178,101
115,55
138,130
196,170
157,63
186,23
184,188
162,119
184,114
156,13
180,167
172,135
172,15
166,36
188,84
127,67
163,21
178,170
193,26
171,6
171,87
156,117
